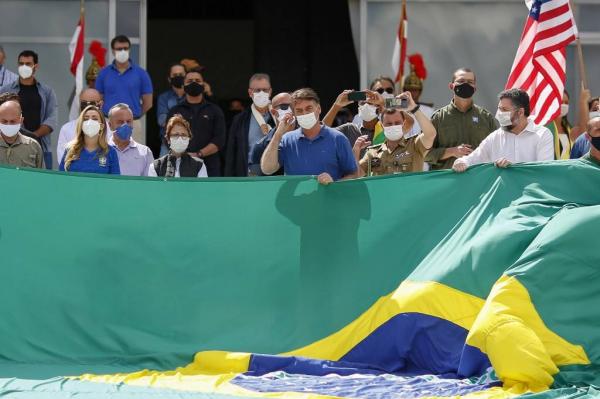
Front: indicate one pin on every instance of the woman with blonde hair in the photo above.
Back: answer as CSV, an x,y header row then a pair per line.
x,y
178,163
89,152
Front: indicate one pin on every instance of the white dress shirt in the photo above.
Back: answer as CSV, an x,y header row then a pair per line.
x,y
201,173
67,134
534,143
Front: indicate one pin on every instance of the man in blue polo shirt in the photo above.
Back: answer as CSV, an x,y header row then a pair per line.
x,y
125,82
312,149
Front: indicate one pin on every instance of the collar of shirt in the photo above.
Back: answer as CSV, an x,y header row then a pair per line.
x,y
18,141
401,145
199,105
132,144
455,108
530,128
113,65
318,136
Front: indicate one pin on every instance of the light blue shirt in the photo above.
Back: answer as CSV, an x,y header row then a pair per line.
x,y
135,159
7,77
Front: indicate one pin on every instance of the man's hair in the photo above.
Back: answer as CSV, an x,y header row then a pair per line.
x,y
5,97
381,79
174,64
194,70
392,111
463,69
29,53
120,39
177,119
519,98
305,94
259,76
119,107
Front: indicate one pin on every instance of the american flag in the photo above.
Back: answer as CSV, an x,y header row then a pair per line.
x,y
540,63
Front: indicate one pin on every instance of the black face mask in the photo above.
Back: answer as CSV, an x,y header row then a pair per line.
x,y
595,142
464,90
177,81
194,89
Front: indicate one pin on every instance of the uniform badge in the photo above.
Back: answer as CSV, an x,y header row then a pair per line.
x,y
102,161
475,119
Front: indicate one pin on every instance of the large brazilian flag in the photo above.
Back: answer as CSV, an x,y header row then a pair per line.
x,y
483,285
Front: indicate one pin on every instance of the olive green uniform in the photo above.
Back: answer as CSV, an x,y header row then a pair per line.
x,y
25,151
407,157
454,128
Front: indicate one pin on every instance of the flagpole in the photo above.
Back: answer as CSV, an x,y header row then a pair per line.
x,y
581,63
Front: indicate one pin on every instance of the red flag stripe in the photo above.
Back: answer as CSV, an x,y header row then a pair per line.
x,y
79,47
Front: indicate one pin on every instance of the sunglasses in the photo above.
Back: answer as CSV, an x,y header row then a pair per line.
x,y
283,107
381,90
84,104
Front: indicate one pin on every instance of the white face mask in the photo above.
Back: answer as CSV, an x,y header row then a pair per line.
x,y
10,130
504,118
393,133
307,121
179,144
25,71
367,112
122,56
260,99
594,114
564,109
90,128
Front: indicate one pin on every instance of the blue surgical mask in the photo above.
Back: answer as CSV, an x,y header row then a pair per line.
x,y
124,132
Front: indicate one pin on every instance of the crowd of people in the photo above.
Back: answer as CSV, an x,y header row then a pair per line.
x,y
284,133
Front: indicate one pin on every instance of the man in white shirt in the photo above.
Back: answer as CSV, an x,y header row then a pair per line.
x,y
67,131
517,140
134,158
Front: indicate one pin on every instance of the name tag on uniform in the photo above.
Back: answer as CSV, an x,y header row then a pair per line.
x,y
475,119
102,161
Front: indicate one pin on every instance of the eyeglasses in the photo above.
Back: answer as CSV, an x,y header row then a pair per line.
x,y
283,107
388,90
260,90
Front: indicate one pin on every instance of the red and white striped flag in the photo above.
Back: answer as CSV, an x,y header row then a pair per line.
x,y
76,50
540,63
399,57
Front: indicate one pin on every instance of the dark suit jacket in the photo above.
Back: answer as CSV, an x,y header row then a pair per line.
x,y
236,157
